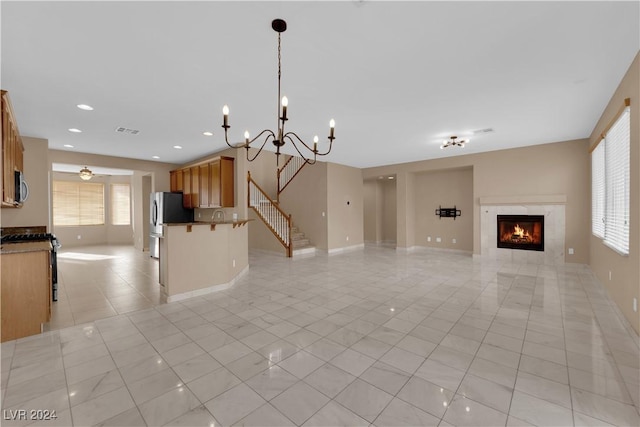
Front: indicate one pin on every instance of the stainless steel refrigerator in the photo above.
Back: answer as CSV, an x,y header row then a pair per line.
x,y
165,208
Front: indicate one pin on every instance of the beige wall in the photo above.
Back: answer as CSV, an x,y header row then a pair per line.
x,y
372,219
625,270
305,198
447,188
389,208
345,206
549,169
35,211
380,211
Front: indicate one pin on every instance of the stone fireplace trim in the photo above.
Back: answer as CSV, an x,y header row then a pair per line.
x,y
553,199
552,206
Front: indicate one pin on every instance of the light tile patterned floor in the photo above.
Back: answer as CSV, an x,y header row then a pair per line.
x,y
369,337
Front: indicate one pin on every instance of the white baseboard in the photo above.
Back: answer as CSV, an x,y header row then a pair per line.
x,y
346,248
207,290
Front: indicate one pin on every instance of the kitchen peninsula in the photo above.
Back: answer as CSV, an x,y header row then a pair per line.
x,y
197,258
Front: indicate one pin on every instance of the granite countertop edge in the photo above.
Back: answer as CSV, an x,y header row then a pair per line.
x,y
22,247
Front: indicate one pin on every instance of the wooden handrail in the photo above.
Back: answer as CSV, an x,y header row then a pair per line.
x,y
249,179
286,243
280,190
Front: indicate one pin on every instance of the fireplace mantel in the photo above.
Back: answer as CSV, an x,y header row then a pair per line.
x,y
550,199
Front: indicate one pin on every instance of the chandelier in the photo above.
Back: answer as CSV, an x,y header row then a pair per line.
x,y
280,137
453,141
85,174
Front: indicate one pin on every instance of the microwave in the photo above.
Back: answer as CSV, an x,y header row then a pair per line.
x,y
22,189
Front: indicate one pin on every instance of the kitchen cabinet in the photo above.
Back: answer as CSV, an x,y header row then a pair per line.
x,y
210,184
26,288
205,185
12,153
227,187
176,180
186,188
195,187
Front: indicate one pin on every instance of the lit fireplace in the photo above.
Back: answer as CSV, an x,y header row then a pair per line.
x,y
524,232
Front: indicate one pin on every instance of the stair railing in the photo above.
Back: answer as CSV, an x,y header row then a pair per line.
x,y
271,214
289,171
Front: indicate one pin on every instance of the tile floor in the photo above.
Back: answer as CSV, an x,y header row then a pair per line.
x,y
371,337
102,281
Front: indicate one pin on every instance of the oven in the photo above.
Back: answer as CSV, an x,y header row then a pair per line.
x,y
36,234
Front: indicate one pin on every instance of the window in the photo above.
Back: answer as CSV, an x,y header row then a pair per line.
x,y
120,204
597,191
610,184
78,203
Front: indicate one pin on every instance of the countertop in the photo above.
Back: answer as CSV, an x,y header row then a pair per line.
x,y
14,248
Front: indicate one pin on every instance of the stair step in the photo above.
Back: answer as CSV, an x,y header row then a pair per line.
x,y
305,250
300,243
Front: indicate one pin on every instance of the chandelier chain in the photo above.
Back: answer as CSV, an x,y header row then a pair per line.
x,y
279,76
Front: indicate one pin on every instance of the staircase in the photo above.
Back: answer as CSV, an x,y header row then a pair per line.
x,y
300,243
289,171
276,220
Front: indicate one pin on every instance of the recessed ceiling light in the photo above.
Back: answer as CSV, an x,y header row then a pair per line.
x,y
74,130
85,107
178,147
207,133
155,157
390,177
68,145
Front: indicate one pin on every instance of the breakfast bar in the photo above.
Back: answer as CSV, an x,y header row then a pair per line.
x,y
197,258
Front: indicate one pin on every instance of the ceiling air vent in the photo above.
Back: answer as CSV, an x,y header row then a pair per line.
x,y
482,131
127,130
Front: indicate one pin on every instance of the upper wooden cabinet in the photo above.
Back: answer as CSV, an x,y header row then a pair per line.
x,y
12,153
206,185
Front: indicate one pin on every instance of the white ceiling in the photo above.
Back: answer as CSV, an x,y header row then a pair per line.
x,y
397,77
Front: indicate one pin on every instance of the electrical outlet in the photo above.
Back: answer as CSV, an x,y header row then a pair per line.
x,y
609,274
234,263
323,214
570,251
79,237
347,238
454,241
428,238
438,240
635,305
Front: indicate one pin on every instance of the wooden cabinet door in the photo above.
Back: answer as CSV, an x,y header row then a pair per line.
x,y
186,188
205,186
227,185
214,170
173,180
12,152
195,187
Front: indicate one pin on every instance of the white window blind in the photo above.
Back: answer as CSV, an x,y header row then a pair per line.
x,y
597,190
78,203
617,145
120,204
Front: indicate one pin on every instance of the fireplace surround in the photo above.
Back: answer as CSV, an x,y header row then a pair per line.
x,y
523,232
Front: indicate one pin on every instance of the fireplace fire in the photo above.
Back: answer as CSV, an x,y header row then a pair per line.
x,y
524,232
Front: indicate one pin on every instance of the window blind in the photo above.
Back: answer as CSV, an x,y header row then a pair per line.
x,y
597,190
120,204
617,145
78,203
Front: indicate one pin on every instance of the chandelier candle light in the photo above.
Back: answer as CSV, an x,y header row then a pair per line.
x,y
280,137
453,141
